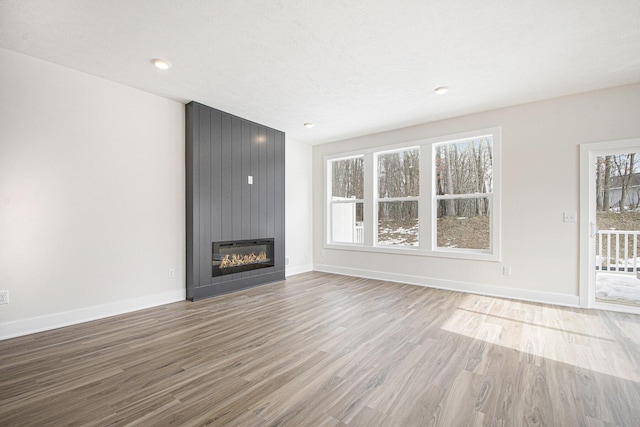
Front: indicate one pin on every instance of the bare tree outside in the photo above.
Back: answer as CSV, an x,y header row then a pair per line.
x,y
617,209
347,193
464,179
603,183
398,179
624,168
347,178
618,183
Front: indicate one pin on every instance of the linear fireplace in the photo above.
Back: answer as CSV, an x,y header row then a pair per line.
x,y
236,256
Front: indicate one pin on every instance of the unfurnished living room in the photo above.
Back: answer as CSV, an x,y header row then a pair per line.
x,y
320,213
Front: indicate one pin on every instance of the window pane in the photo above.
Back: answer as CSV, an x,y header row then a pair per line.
x,y
347,178
398,223
617,176
468,228
347,222
399,173
465,167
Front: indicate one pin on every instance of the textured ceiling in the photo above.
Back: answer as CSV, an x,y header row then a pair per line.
x,y
351,67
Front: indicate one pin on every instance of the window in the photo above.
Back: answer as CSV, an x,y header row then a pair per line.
x,y
463,195
378,199
398,196
347,197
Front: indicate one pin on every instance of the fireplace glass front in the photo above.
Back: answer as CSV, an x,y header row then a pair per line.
x,y
236,256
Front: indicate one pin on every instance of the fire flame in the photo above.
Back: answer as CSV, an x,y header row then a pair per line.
x,y
236,260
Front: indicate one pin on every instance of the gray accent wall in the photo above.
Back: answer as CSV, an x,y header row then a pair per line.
x,y
222,150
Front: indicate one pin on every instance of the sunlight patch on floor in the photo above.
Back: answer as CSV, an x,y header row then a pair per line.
x,y
553,333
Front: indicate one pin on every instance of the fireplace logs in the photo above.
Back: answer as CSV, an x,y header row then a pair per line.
x,y
236,260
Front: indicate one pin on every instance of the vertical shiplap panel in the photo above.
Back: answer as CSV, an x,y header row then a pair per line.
x,y
192,198
255,188
236,177
216,186
246,188
216,175
279,201
246,171
204,166
271,182
226,176
262,184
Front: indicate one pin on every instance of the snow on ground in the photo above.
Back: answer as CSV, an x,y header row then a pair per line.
x,y
396,242
620,288
398,236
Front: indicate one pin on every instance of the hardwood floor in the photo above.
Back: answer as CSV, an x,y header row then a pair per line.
x,y
327,350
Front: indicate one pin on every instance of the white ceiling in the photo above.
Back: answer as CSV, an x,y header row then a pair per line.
x,y
351,67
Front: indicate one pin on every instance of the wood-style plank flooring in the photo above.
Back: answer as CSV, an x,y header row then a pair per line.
x,y
328,350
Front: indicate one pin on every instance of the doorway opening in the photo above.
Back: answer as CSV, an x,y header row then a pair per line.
x,y
610,225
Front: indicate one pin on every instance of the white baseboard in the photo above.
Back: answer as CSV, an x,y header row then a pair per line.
x,y
472,288
299,269
53,321
73,317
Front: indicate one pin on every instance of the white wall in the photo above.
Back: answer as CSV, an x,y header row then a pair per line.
x,y
298,214
91,196
540,171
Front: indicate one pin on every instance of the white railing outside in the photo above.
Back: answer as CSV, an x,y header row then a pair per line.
x,y
617,251
358,234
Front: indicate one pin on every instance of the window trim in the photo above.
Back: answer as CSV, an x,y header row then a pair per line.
x,y
426,207
377,199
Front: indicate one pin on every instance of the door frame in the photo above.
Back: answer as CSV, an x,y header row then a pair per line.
x,y
588,154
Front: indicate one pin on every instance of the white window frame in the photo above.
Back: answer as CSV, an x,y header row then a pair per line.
x,y
427,214
493,243
330,202
377,200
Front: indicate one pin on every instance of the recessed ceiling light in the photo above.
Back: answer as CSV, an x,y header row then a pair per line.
x,y
309,125
161,63
441,90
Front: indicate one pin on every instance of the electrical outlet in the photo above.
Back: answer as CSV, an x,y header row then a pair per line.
x,y
4,297
172,273
286,260
506,270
